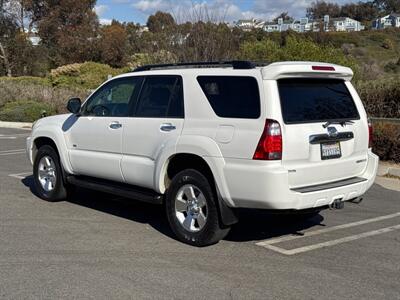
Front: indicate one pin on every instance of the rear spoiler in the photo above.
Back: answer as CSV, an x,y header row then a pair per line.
x,y
305,69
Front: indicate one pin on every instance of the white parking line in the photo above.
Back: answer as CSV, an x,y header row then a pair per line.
x,y
269,244
12,152
20,175
8,137
333,242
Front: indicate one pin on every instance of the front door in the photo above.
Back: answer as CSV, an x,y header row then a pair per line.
x,y
95,139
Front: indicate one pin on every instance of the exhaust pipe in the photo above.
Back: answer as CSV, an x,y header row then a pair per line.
x,y
337,204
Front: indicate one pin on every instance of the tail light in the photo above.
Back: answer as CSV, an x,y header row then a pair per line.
x,y
270,145
370,134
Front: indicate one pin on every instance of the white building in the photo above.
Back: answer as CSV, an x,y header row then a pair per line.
x,y
248,25
392,20
346,24
306,25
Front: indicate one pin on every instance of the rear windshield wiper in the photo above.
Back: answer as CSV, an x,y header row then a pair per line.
x,y
340,122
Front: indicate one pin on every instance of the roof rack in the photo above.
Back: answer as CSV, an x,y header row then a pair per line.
x,y
236,64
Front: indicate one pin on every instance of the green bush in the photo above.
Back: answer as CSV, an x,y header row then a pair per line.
x,y
295,49
386,141
25,111
88,75
381,97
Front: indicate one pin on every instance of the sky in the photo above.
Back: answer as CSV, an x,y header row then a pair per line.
x,y
138,11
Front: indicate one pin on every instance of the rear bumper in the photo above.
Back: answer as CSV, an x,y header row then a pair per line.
x,y
267,187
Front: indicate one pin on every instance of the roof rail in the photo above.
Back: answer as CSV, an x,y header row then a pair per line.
x,y
236,64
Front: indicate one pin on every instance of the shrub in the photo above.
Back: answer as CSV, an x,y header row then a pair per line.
x,y
296,49
387,141
387,44
37,90
25,111
88,75
381,97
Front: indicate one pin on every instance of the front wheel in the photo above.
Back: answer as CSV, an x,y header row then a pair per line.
x,y
47,175
192,210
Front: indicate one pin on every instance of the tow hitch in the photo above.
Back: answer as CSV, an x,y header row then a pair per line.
x,y
337,204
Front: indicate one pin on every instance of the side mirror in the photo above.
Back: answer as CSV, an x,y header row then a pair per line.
x,y
74,105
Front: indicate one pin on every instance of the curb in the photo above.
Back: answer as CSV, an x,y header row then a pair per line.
x,y
388,169
17,125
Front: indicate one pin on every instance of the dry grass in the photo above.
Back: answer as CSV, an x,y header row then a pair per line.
x,y
57,97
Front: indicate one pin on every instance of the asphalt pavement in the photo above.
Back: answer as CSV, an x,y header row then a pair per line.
x,y
98,246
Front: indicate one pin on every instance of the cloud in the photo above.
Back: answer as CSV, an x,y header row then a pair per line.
x,y
100,9
151,6
105,21
223,10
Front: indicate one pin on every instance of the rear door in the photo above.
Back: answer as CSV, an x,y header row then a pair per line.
x,y
316,149
156,122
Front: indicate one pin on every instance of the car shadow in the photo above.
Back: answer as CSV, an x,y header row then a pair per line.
x,y
254,225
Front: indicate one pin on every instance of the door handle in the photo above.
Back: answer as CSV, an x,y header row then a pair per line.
x,y
167,127
115,125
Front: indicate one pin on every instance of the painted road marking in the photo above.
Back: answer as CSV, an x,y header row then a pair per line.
x,y
269,244
12,152
20,175
13,136
331,243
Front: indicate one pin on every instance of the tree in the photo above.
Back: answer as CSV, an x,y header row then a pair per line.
x,y
8,30
319,9
113,44
68,28
361,11
160,21
285,16
388,6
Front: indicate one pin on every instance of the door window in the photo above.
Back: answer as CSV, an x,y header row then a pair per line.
x,y
161,97
113,99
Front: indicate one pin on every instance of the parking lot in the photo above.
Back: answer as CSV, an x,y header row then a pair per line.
x,y
99,246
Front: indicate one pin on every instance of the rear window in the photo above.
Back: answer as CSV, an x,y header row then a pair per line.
x,y
315,100
232,96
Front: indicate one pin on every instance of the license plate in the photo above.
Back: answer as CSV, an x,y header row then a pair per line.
x,y
330,150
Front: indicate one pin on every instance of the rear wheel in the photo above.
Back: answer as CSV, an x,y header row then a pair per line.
x,y
47,174
192,210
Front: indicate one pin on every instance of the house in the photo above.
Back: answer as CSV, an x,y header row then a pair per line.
x,y
302,25
345,24
248,25
392,20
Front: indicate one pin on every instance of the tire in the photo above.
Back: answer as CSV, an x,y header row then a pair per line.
x,y
193,219
48,176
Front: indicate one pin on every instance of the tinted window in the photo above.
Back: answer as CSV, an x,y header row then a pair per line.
x,y
314,100
113,98
161,96
232,96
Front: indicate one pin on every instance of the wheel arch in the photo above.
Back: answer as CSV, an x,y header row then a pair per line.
x,y
182,161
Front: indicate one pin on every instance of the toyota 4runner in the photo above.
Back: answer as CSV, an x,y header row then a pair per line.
x,y
206,138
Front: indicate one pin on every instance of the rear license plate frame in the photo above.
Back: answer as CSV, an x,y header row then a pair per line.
x,y
337,154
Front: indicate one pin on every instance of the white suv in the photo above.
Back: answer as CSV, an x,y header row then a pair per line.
x,y
205,139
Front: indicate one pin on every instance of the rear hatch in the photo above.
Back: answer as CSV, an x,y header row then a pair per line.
x,y
324,137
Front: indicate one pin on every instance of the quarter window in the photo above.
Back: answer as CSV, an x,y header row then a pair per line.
x,y
232,96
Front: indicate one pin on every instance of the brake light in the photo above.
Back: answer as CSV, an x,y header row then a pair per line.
x,y
370,134
323,68
270,145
